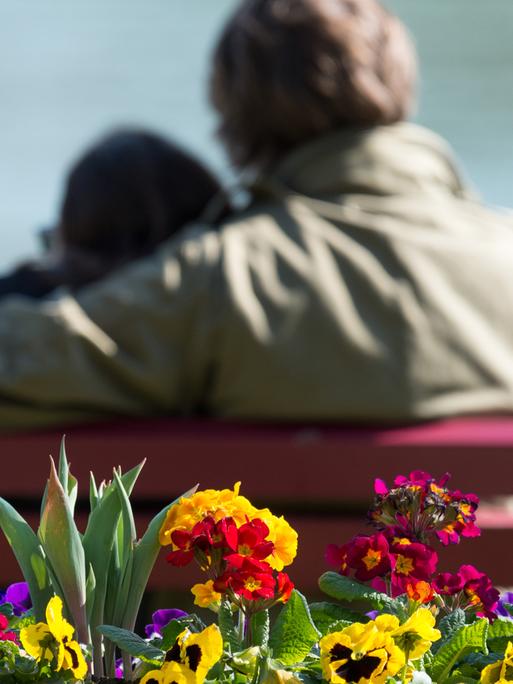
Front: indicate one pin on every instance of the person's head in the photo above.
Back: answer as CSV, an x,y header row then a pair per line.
x,y
128,193
286,71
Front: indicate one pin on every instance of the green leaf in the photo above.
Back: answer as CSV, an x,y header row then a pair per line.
x,y
30,556
324,614
260,628
467,639
62,545
90,587
93,492
294,632
144,557
448,626
132,643
68,482
346,589
226,625
501,627
170,632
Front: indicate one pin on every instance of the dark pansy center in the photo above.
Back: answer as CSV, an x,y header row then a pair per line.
x,y
354,670
193,655
173,655
339,652
74,657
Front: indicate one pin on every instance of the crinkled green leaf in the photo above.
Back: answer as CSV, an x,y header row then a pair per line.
x,y
448,625
346,589
132,643
324,614
227,627
294,633
260,628
29,554
465,640
501,627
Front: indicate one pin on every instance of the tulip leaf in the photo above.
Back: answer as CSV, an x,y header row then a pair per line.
x,y
467,639
144,557
294,633
346,589
62,545
29,554
132,643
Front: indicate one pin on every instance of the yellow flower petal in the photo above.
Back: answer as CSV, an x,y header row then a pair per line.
x,y
73,659
59,626
36,640
205,596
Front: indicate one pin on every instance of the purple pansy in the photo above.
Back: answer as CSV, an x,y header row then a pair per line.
x,y
161,618
506,597
18,595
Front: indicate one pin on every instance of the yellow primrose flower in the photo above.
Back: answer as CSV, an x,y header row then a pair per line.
x,y
360,653
205,595
209,502
198,652
501,671
54,639
416,635
284,538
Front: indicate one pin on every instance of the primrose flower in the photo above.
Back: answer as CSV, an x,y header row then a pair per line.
x,y
206,596
251,580
424,507
369,556
501,671
283,537
214,503
189,659
53,640
419,591
6,636
360,653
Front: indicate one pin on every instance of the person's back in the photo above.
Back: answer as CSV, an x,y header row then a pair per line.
x,y
362,283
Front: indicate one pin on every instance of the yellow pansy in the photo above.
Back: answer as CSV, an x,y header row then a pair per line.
x,y
501,671
416,635
171,673
53,639
360,653
205,595
197,652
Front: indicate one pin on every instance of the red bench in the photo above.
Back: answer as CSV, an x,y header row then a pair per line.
x,y
319,477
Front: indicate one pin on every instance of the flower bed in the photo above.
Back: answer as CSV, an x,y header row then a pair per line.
x,y
392,616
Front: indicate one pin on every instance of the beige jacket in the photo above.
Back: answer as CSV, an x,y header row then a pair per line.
x,y
363,284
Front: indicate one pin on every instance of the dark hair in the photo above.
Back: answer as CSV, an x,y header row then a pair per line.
x,y
128,193
286,71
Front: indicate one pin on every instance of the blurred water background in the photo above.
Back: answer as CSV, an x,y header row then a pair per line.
x,y
72,69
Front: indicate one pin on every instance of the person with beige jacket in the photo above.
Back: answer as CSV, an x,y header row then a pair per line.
x,y
363,282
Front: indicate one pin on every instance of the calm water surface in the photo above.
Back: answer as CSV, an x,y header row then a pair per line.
x,y
69,70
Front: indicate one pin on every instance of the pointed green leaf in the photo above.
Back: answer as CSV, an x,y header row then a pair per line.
x,y
62,545
145,555
324,614
294,632
93,492
132,643
465,640
346,589
30,556
90,587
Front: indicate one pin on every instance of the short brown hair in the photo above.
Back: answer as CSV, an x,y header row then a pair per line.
x,y
286,71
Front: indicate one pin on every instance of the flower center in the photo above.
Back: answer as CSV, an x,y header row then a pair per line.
x,y
372,558
403,565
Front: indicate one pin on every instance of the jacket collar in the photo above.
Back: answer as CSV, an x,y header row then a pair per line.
x,y
387,160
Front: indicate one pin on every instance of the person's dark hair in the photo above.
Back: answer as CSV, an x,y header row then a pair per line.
x,y
285,71
128,193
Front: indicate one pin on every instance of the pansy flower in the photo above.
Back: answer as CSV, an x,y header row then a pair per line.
x,y
193,653
360,653
18,596
161,618
501,671
53,641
